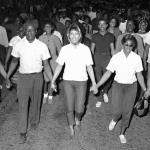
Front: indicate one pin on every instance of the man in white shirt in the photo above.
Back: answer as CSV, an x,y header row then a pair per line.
x,y
31,53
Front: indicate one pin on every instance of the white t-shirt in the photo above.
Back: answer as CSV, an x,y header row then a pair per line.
x,y
122,26
31,55
14,41
147,38
76,59
125,67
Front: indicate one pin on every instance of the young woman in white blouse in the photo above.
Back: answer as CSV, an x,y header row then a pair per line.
x,y
77,59
128,68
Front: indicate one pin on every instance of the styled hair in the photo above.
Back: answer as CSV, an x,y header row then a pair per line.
x,y
75,27
129,37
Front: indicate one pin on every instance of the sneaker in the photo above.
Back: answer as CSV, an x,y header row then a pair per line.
x,y
105,97
122,139
98,104
45,98
50,99
112,125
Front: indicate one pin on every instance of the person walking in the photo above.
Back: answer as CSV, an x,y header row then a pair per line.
x,y
102,48
31,53
128,68
77,59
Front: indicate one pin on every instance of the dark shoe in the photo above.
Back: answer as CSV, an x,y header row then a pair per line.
x,y
23,138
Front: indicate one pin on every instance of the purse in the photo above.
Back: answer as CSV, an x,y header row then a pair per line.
x,y
141,107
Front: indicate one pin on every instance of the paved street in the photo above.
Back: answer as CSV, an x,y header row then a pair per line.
x,y
53,133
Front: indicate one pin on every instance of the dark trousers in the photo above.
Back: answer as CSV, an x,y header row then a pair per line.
x,y
101,62
123,98
75,96
29,86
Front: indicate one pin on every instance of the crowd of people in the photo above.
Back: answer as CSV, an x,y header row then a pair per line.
x,y
38,51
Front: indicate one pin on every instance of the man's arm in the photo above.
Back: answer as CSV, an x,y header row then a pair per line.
x,y
112,48
145,55
140,46
13,66
93,48
47,69
8,56
118,44
2,71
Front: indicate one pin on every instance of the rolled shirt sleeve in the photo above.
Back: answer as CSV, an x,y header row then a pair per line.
x,y
111,65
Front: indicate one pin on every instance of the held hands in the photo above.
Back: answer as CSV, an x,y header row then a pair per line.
x,y
94,89
53,87
8,83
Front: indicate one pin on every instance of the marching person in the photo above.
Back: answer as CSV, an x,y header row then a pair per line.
x,y
77,59
31,53
128,68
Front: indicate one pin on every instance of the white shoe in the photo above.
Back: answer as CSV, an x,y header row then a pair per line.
x,y
98,104
112,125
50,99
45,98
105,97
122,139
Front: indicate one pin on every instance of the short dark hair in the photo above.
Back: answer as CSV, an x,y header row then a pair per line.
x,y
51,23
129,37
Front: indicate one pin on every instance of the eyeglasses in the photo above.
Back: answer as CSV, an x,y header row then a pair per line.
x,y
129,45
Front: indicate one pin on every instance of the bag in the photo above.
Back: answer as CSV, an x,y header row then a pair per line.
x,y
141,107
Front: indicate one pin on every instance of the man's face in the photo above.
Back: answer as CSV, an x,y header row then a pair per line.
x,y
130,26
102,25
30,33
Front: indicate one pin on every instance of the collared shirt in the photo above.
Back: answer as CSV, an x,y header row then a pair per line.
x,y
125,67
102,42
31,55
3,37
14,41
76,59
140,46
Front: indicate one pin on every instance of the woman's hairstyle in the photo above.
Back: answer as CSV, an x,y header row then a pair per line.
x,y
143,21
129,37
75,27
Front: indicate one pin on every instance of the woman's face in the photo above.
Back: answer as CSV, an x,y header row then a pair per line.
x,y
112,22
47,28
128,46
143,26
74,36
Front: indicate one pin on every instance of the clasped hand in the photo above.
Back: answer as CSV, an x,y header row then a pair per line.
x,y
94,89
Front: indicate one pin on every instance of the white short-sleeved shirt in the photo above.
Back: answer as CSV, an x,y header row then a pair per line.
x,y
31,55
125,67
76,59
14,41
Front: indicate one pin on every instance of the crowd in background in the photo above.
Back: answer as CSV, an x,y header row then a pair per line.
x,y
104,32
